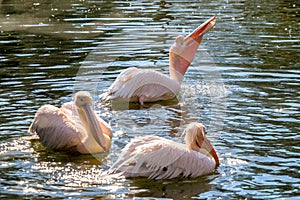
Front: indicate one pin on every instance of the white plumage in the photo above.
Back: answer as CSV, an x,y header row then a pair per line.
x,y
74,126
132,84
158,158
140,85
49,123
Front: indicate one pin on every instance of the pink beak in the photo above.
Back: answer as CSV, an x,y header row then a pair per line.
x,y
197,34
209,147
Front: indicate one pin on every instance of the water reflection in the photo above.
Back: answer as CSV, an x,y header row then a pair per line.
x,y
62,19
176,189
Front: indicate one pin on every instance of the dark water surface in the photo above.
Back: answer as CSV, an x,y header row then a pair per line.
x,y
243,85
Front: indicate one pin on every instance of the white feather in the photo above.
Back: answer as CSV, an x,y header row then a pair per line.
x,y
159,158
135,83
49,124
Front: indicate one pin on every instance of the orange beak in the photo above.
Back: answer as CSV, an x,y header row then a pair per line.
x,y
196,35
193,40
95,129
209,147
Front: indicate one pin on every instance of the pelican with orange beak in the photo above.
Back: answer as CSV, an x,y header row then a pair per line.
x,y
158,158
140,85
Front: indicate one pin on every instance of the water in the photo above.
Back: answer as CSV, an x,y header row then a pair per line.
x,y
243,85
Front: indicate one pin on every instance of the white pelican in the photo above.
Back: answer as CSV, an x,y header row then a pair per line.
x,y
75,126
138,85
158,158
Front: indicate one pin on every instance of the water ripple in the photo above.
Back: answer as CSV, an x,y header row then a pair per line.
x,y
243,85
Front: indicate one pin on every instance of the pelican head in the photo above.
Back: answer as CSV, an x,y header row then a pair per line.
x,y
83,101
183,50
196,140
82,98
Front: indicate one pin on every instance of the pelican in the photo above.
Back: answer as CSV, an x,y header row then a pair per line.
x,y
139,85
159,158
75,126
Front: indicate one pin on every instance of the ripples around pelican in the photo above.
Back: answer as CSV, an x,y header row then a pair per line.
x,y
243,85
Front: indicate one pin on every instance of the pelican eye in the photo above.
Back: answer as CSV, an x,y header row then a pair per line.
x,y
81,100
204,131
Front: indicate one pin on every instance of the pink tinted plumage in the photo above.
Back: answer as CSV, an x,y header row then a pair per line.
x,y
133,83
140,85
159,158
74,126
49,124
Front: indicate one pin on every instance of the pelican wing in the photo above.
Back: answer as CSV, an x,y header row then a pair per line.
x,y
159,158
190,164
55,128
133,82
125,76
